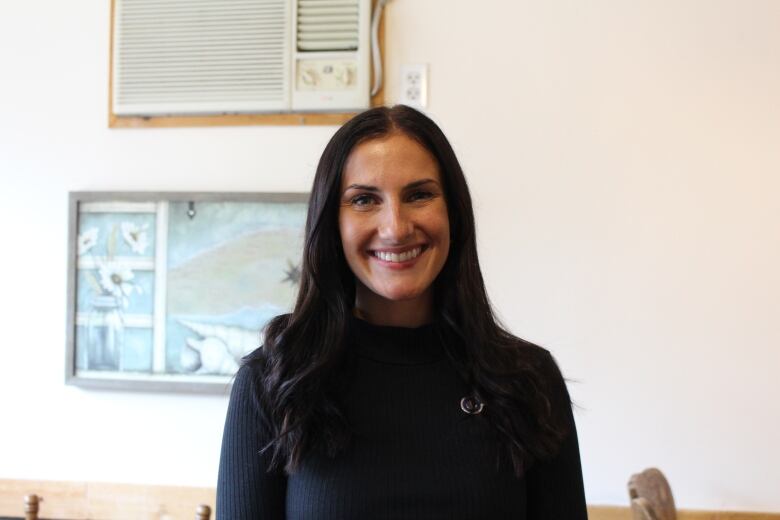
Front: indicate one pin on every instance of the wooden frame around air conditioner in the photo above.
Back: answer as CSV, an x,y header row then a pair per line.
x,y
293,118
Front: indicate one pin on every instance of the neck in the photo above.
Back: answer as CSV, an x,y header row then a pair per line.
x,y
381,311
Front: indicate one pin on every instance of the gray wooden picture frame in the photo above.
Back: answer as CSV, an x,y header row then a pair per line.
x,y
268,231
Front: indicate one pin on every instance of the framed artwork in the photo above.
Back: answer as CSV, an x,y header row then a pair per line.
x,y
168,291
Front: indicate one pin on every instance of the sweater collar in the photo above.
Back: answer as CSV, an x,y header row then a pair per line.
x,y
395,345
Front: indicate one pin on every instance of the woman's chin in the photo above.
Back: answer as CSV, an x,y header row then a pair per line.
x,y
396,294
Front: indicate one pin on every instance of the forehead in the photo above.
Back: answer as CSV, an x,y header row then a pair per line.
x,y
387,161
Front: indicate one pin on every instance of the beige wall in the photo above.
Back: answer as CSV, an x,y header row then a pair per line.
x,y
623,157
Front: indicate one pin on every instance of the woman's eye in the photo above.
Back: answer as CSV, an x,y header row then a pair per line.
x,y
362,200
421,195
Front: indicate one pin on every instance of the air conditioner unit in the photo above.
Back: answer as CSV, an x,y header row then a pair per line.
x,y
186,57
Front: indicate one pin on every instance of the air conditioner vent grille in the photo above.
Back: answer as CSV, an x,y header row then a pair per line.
x,y
328,25
199,51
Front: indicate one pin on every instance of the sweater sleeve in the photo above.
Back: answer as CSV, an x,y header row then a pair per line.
x,y
245,490
554,487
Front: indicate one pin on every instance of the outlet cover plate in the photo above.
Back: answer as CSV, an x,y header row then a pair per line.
x,y
414,85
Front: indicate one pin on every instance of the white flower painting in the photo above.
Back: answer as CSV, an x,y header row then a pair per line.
x,y
117,281
87,240
107,250
136,236
174,293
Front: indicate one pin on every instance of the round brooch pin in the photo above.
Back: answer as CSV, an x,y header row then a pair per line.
x,y
471,405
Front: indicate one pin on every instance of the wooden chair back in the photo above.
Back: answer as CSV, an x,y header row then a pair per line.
x,y
31,506
656,496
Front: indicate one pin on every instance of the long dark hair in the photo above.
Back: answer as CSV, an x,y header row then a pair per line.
x,y
304,351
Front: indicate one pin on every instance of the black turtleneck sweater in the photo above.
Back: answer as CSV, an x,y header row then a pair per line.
x,y
415,453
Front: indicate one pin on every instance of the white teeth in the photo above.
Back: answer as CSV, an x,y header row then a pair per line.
x,y
395,257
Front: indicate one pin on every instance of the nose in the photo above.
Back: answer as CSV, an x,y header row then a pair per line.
x,y
395,226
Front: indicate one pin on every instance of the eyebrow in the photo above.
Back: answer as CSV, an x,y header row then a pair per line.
x,y
409,186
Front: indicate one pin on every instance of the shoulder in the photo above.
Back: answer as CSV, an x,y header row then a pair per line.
x,y
250,373
536,357
541,363
271,333
246,376
550,368
253,363
243,393
250,380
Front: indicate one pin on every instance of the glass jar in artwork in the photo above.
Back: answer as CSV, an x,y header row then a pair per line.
x,y
105,333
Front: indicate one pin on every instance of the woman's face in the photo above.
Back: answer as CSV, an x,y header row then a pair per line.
x,y
393,219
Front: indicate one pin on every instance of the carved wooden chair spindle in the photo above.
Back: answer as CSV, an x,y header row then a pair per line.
x,y
651,497
31,507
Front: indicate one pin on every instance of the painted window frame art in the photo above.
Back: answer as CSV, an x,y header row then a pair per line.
x,y
168,291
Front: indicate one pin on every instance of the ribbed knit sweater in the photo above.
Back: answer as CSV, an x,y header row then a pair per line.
x,y
415,454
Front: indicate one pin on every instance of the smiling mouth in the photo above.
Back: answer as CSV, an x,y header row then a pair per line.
x,y
398,258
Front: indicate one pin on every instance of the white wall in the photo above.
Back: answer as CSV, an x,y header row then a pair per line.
x,y
624,161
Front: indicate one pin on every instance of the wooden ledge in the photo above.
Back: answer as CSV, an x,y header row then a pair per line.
x,y
115,121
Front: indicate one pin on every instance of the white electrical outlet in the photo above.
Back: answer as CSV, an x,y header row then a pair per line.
x,y
414,85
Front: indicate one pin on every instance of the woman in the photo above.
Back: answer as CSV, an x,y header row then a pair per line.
x,y
391,391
